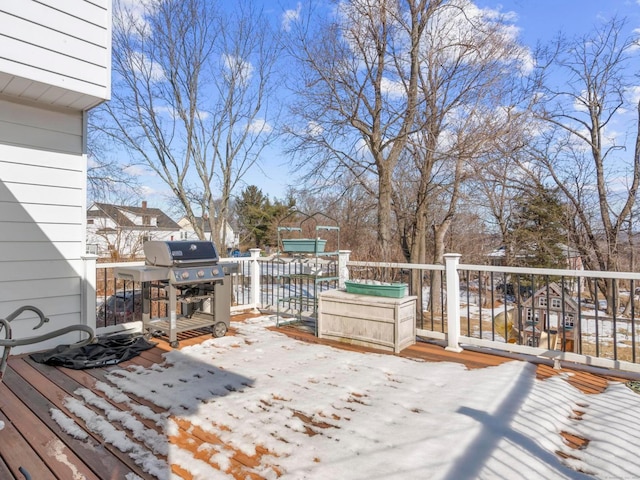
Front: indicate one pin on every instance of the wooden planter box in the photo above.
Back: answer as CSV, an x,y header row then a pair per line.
x,y
393,290
371,321
303,245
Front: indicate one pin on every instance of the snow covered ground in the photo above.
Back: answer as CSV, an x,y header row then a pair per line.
x,y
324,413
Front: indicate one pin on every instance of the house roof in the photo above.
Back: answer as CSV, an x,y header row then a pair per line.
x,y
116,213
203,222
555,291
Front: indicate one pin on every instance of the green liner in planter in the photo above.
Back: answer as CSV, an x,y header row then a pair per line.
x,y
393,290
303,245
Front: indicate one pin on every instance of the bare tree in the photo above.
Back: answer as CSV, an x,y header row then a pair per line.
x,y
107,178
191,83
580,152
470,63
357,94
385,82
353,208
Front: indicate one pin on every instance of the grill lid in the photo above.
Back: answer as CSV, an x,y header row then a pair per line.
x,y
186,252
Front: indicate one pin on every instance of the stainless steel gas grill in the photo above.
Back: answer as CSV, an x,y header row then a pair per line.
x,y
192,278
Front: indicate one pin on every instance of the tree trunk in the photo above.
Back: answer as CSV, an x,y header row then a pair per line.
x,y
439,234
384,214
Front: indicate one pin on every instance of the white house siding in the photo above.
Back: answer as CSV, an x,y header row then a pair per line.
x,y
55,64
56,52
128,242
42,208
187,232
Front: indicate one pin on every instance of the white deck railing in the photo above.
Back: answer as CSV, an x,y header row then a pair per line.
x,y
464,305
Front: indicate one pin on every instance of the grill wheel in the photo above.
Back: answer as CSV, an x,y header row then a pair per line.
x,y
219,330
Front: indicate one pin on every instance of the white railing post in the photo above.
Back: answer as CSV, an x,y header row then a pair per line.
x,y
255,278
453,301
88,313
343,271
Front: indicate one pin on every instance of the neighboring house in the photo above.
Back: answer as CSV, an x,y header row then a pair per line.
x,y
55,66
118,231
550,312
574,260
187,232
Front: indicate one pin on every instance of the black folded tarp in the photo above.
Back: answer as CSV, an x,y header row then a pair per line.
x,y
106,350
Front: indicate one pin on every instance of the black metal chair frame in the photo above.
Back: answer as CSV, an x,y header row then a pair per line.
x,y
9,342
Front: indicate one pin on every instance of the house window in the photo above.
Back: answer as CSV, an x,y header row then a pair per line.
x,y
542,301
531,316
556,303
568,322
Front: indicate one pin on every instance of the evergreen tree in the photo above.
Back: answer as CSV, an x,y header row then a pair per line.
x,y
536,229
253,215
258,217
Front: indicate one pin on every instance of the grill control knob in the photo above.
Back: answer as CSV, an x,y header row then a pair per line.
x,y
184,275
215,271
200,273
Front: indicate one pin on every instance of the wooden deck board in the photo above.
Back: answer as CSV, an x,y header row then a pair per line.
x,y
44,394
45,442
30,390
4,468
15,449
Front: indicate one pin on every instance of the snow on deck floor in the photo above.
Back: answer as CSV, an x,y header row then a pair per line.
x,y
306,411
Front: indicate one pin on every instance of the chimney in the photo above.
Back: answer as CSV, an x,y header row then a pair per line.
x,y
146,220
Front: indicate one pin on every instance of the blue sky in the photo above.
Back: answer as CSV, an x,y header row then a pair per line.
x,y
536,20
541,20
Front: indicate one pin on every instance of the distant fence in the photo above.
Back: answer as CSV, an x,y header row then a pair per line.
x,y
559,314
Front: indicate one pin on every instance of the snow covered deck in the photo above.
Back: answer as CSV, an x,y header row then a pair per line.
x,y
260,404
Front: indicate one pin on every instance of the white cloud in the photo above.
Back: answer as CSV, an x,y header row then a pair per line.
x,y
393,89
362,149
136,171
238,69
91,162
147,191
131,15
634,93
145,67
260,125
314,129
459,25
166,109
202,115
290,16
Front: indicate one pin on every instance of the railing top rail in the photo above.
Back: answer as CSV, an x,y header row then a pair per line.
x,y
119,264
415,266
497,269
552,272
235,259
